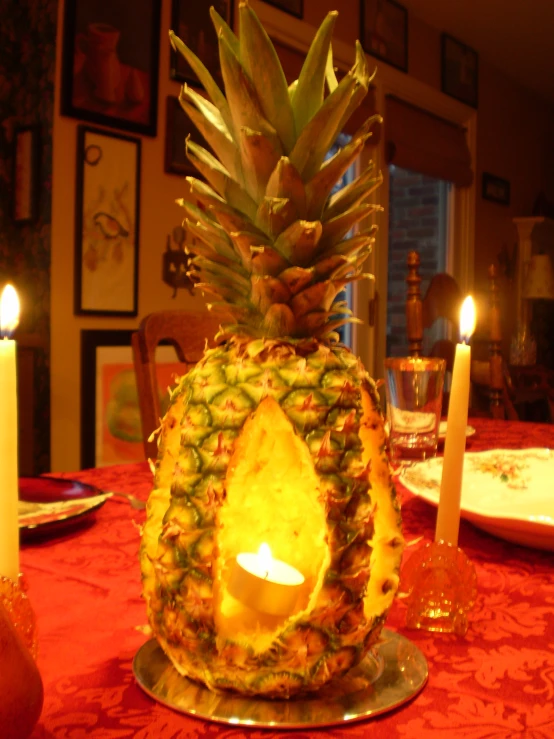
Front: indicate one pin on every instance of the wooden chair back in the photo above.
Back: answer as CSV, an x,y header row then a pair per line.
x,y
188,333
442,299
496,375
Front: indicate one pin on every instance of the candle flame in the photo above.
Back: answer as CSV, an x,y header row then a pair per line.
x,y
266,558
9,311
467,319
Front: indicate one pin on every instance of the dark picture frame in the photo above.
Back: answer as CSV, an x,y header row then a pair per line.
x,y
107,218
26,174
496,189
111,428
459,70
178,127
192,23
384,31
111,62
292,7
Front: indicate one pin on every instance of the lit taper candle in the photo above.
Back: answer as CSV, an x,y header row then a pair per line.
x,y
9,478
448,515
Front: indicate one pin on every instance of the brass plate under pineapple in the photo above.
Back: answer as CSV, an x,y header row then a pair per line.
x,y
380,683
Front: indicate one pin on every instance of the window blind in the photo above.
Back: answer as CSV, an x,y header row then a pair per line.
x,y
425,143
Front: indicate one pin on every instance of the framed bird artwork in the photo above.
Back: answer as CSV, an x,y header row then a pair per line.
x,y
107,223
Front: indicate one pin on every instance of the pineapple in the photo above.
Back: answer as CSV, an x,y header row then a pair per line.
x,y
276,435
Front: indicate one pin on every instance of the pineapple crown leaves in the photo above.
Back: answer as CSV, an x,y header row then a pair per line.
x,y
272,236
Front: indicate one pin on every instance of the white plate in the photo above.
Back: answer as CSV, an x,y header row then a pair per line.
x,y
509,493
442,430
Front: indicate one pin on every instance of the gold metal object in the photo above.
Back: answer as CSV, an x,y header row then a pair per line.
x,y
135,502
394,674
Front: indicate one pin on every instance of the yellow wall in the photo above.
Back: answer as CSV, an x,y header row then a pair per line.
x,y
158,216
513,129
512,135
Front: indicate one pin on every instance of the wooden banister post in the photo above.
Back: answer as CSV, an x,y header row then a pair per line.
x,y
414,314
495,348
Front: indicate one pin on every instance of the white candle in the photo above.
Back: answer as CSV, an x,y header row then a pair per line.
x,y
448,515
9,479
263,583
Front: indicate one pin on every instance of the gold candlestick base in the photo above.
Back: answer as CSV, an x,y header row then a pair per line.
x,y
14,599
440,587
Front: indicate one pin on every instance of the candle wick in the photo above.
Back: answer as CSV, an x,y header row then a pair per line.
x,y
266,575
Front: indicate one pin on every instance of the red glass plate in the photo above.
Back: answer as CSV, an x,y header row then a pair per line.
x,y
52,504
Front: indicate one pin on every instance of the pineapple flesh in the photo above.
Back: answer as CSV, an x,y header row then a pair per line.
x,y
276,435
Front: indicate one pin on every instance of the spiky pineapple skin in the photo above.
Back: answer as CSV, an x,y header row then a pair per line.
x,y
332,405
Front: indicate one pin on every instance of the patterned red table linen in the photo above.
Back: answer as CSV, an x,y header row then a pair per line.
x,y
497,682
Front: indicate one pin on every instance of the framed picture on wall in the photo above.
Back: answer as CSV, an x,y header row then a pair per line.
x,y
107,223
192,23
294,7
110,63
459,70
384,31
111,431
496,189
25,182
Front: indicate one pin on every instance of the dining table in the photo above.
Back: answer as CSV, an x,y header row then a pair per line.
x,y
494,682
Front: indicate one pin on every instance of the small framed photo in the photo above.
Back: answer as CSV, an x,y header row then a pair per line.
x,y
384,31
26,158
107,223
496,189
192,23
177,127
110,63
293,7
111,430
459,70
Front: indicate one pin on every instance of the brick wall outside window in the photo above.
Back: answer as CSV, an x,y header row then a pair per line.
x,y
417,220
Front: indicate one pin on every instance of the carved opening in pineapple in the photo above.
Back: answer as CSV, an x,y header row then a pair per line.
x,y
272,497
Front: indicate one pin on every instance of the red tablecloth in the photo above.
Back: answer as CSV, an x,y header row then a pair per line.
x,y
496,682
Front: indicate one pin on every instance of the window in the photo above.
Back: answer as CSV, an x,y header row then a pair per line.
x,y
345,332
417,219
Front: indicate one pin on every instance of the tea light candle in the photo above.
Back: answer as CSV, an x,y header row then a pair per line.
x,y
9,479
448,515
263,583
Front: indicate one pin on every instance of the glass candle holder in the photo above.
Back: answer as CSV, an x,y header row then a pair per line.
x,y
439,585
14,598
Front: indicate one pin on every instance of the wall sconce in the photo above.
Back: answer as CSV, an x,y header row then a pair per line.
x,y
175,264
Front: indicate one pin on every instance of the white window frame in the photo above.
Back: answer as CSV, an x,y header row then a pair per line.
x,y
369,341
